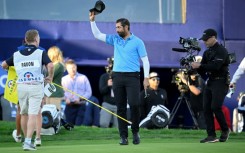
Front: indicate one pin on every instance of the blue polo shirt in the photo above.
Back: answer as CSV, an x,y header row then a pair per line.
x,y
127,53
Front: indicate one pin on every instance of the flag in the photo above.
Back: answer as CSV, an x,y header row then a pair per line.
x,y
10,91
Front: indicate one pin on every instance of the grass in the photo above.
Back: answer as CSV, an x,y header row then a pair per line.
x,y
94,140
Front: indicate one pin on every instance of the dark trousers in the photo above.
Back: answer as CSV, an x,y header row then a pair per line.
x,y
92,113
213,98
126,88
74,114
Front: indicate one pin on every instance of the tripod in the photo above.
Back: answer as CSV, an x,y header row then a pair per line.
x,y
182,99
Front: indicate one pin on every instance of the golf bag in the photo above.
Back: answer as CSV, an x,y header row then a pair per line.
x,y
157,118
238,115
237,122
51,120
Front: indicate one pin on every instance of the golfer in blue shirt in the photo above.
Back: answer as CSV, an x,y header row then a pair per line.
x,y
128,51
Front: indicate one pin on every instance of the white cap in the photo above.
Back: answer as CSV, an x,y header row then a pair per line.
x,y
153,74
49,89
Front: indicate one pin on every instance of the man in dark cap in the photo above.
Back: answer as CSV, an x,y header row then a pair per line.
x,y
214,64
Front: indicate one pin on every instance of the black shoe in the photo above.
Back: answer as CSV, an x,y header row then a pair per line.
x,y
224,136
209,139
123,141
136,138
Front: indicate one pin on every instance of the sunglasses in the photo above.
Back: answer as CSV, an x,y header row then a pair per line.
x,y
155,79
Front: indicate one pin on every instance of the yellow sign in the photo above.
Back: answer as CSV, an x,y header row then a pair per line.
x,y
10,91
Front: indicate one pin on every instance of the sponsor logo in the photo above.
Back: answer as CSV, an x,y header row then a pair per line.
x,y
160,119
12,85
28,75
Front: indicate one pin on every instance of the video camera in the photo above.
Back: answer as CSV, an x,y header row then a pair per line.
x,y
176,78
109,67
190,43
190,46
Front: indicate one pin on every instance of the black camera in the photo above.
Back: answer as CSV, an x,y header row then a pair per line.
x,y
109,67
190,46
176,78
185,61
190,43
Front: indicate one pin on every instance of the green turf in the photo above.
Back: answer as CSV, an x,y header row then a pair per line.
x,y
95,140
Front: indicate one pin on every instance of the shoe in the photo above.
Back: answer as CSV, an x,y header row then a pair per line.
x,y
123,141
38,142
29,147
136,138
224,136
16,138
209,139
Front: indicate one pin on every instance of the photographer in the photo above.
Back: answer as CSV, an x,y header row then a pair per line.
x,y
105,87
215,64
196,86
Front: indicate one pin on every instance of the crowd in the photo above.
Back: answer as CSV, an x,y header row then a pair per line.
x,y
120,87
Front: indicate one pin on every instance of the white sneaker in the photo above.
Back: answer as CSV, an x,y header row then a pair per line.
x,y
16,138
38,142
28,147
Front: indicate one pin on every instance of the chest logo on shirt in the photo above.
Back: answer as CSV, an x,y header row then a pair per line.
x,y
28,75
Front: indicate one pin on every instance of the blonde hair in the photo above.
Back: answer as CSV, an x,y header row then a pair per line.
x,y
55,54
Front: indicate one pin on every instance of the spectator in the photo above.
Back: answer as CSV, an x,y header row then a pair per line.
x,y
92,113
79,84
56,57
152,96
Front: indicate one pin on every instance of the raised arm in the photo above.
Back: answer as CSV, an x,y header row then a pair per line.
x,y
96,32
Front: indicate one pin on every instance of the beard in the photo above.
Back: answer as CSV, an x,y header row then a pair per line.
x,y
121,34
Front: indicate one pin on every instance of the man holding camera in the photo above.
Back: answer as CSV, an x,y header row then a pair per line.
x,y
105,87
215,64
196,86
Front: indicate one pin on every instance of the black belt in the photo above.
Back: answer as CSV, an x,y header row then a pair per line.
x,y
126,72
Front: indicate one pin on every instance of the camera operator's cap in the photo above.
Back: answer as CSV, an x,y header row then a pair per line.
x,y
98,7
208,33
153,75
